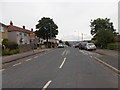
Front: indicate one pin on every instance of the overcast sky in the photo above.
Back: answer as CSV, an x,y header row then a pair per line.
x,y
72,16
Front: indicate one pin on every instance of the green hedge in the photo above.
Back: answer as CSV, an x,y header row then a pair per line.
x,y
113,46
10,52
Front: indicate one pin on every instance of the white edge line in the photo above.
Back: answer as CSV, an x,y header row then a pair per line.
x,y
62,63
35,56
17,64
28,59
46,85
115,69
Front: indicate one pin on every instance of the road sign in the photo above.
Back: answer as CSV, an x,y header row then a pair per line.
x,y
32,36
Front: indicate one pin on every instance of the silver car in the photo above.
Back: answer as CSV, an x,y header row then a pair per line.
x,y
90,46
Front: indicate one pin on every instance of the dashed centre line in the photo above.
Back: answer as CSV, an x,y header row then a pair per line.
x,y
46,85
17,64
62,63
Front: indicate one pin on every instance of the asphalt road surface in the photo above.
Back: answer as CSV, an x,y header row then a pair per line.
x,y
58,68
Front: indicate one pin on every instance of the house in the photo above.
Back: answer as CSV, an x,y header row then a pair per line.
x,y
18,35
3,32
117,38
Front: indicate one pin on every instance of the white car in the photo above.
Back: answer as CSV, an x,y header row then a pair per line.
x,y
60,46
90,46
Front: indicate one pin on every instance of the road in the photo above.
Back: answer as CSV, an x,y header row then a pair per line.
x,y
59,68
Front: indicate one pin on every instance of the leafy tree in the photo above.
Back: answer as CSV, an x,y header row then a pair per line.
x,y
47,29
60,41
103,31
67,43
104,37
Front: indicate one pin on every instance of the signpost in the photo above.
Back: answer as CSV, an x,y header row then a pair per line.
x,y
32,38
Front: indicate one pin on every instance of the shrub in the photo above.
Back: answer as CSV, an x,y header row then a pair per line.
x,y
12,46
113,46
5,42
5,52
10,52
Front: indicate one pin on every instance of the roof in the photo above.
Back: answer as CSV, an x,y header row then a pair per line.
x,y
3,24
15,28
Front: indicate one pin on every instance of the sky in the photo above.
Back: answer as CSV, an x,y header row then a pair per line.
x,y
72,16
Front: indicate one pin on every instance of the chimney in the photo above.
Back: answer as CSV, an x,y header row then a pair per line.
x,y
23,27
11,23
32,29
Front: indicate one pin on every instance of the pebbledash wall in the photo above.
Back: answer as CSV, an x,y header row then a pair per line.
x,y
19,37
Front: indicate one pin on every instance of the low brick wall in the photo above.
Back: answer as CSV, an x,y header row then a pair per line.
x,y
28,47
24,48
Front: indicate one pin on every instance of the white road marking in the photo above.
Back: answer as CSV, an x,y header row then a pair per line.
x,y
17,64
28,59
35,56
67,52
62,63
113,68
63,52
91,56
2,70
46,85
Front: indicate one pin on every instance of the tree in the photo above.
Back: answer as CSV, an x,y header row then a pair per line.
x,y
103,31
47,29
67,43
60,41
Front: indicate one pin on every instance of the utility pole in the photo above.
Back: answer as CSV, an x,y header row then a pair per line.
x,y
50,36
82,36
78,35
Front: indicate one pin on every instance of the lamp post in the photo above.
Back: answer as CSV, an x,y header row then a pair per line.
x,y
78,34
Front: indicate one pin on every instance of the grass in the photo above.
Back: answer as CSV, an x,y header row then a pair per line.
x,y
104,54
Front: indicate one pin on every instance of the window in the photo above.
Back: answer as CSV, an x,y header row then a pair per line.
x,y
25,34
2,29
20,33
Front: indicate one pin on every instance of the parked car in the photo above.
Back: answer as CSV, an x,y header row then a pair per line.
x,y
60,46
76,46
90,46
82,45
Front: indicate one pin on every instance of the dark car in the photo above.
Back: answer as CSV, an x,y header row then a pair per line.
x,y
82,45
77,46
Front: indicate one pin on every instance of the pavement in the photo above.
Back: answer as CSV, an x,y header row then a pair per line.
x,y
59,68
7,59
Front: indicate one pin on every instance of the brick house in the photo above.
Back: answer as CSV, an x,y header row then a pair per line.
x,y
117,38
18,35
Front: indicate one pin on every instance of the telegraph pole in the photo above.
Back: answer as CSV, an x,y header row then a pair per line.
x,y
82,36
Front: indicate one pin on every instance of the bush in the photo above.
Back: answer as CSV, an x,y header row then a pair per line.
x,y
5,52
10,52
12,46
113,46
5,42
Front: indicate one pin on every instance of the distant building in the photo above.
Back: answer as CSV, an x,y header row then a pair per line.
x,y
18,35
117,38
3,32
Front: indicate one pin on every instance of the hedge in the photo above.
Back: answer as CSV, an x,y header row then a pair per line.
x,y
113,46
10,52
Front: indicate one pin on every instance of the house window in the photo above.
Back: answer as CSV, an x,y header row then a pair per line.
x,y
2,29
25,34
